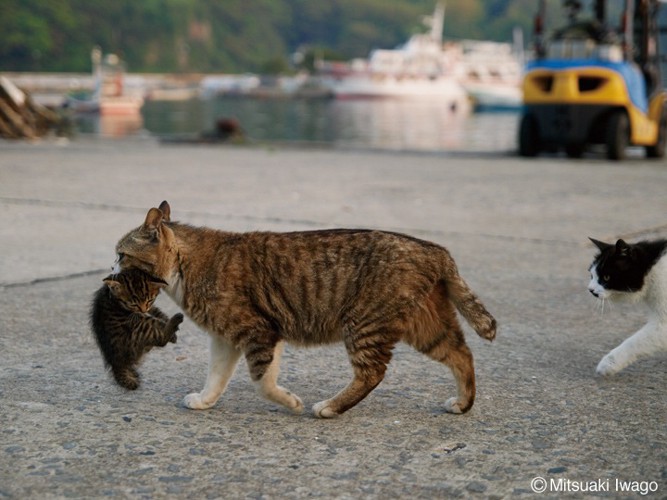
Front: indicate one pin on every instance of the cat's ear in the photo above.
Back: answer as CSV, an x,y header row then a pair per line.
x,y
113,285
602,246
158,281
166,210
623,249
154,219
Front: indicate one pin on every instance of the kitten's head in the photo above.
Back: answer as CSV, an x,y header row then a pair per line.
x,y
134,289
619,268
151,246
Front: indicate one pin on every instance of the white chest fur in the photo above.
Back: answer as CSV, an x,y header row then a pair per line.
x,y
175,289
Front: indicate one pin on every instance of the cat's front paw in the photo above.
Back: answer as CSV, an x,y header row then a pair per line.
x,y
293,402
607,366
177,319
173,338
194,402
323,410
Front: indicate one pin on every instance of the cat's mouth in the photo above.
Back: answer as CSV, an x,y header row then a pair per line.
x,y
116,265
601,294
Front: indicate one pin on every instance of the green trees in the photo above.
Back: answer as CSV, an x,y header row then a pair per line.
x,y
229,36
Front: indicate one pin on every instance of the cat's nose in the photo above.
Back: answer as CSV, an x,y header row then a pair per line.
x,y
593,292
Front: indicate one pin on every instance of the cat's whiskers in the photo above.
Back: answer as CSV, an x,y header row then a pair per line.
x,y
601,304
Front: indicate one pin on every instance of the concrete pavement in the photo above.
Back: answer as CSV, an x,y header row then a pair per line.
x,y
518,230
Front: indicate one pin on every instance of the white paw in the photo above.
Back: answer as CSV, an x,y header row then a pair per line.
x,y
195,402
323,410
297,404
607,366
452,405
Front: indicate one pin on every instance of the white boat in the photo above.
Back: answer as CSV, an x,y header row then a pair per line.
x,y
490,72
418,69
227,85
110,95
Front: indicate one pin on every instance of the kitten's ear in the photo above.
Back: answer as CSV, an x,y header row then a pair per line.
x,y
113,285
166,210
158,281
602,246
154,219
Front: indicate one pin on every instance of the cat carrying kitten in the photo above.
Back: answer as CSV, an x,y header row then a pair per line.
x,y
638,273
254,291
127,325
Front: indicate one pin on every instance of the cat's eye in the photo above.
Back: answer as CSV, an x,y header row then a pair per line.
x,y
120,257
606,277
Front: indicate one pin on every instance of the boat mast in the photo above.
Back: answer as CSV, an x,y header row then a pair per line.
x,y
437,22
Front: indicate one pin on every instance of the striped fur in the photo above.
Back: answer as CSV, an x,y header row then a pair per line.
x,y
127,325
367,289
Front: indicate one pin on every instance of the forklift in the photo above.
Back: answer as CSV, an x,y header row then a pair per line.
x,y
596,80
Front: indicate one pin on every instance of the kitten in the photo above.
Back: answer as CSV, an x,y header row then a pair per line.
x,y
127,325
638,273
254,291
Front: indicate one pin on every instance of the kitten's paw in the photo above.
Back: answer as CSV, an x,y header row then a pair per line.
x,y
173,338
452,405
127,379
130,384
194,402
177,319
607,366
324,410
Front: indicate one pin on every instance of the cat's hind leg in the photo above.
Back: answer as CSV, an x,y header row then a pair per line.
x,y
436,332
223,360
651,338
369,351
264,365
450,348
126,377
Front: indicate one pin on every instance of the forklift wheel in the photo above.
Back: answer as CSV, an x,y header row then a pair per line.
x,y
529,137
575,150
618,135
658,150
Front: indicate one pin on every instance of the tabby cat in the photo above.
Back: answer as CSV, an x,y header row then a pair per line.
x,y
254,291
127,325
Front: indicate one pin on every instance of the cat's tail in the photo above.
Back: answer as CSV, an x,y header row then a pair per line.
x,y
468,304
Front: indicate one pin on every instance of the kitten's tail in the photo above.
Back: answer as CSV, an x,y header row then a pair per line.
x,y
468,304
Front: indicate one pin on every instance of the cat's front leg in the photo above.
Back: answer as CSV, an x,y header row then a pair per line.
x,y
157,313
172,327
223,359
649,339
265,375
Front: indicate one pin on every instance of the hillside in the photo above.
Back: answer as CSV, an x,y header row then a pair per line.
x,y
229,35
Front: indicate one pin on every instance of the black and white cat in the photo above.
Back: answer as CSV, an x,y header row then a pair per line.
x,y
635,273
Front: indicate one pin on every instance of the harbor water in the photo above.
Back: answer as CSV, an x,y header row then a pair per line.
x,y
397,125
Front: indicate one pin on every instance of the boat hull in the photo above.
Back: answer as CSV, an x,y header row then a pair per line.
x,y
369,87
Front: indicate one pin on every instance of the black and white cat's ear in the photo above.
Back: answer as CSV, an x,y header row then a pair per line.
x,y
623,249
166,210
601,245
